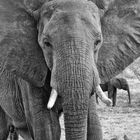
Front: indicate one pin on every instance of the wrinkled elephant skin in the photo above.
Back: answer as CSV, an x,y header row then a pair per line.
x,y
58,51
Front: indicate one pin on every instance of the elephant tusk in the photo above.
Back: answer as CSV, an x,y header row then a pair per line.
x,y
103,96
52,99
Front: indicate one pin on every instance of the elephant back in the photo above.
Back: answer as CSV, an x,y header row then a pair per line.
x,y
19,49
123,83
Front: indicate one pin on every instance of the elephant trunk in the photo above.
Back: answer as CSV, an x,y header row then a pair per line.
x,y
129,97
75,116
76,93
72,77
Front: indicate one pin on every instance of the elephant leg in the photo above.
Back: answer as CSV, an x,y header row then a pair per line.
x,y
45,123
3,125
11,100
110,91
114,96
94,130
129,97
97,99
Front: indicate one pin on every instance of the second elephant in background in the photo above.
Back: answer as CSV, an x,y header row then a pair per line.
x,y
112,86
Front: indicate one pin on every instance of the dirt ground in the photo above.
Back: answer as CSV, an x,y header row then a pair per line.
x,y
123,119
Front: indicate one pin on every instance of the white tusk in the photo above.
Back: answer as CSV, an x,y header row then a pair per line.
x,y
52,99
103,96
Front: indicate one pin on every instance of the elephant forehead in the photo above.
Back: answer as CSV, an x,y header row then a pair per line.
x,y
69,5
71,15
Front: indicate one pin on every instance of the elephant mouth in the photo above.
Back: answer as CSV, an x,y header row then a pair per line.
x,y
99,92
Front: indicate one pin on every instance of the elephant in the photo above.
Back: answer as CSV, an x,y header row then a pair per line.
x,y
112,86
53,54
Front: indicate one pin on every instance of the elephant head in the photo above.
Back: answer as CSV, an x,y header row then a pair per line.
x,y
69,34
64,36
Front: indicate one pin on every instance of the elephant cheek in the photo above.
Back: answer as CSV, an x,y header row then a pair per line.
x,y
96,78
95,74
54,81
48,58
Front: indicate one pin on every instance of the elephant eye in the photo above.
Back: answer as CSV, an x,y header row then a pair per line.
x,y
97,42
47,44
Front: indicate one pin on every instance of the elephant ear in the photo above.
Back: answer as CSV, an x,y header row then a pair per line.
x,y
19,49
121,37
